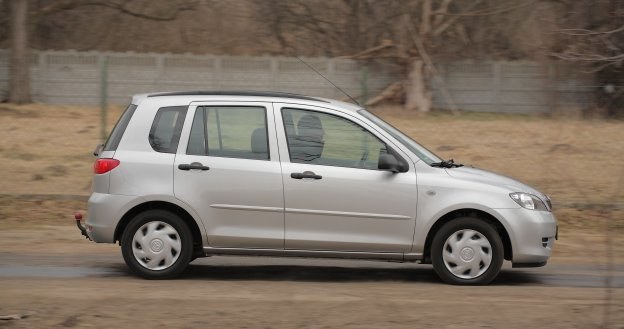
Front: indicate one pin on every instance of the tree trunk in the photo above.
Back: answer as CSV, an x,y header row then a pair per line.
x,y
417,94
19,84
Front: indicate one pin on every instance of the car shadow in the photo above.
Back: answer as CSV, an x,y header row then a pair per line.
x,y
335,274
410,273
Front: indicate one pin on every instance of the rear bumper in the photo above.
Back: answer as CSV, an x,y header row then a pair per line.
x,y
532,234
105,212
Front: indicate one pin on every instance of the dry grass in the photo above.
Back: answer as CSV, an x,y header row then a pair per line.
x,y
46,149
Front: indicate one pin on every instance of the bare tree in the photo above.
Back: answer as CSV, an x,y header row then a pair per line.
x,y
19,91
594,37
24,16
408,33
599,41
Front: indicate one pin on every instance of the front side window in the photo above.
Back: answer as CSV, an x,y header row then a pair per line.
x,y
230,132
325,139
166,128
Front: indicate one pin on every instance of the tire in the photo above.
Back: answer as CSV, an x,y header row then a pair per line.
x,y
467,251
157,244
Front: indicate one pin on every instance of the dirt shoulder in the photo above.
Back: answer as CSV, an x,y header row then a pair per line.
x,y
45,156
122,302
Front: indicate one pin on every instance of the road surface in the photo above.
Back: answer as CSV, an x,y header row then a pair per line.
x,y
82,290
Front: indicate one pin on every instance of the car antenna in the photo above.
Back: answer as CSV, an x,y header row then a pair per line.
x,y
333,84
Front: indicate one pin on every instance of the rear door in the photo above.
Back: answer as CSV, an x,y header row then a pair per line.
x,y
227,169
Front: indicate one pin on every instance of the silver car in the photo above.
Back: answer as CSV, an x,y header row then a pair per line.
x,y
194,174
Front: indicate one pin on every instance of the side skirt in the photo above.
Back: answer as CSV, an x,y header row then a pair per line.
x,y
385,256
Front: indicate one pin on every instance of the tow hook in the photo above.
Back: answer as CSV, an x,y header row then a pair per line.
x,y
83,230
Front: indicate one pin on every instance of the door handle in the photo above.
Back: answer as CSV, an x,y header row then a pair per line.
x,y
305,174
194,165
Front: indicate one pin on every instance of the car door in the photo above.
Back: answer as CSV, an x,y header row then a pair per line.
x,y
335,197
227,169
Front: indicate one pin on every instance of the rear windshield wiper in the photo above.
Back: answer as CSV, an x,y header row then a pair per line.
x,y
446,164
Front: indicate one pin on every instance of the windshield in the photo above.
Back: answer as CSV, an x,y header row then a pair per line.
x,y
427,156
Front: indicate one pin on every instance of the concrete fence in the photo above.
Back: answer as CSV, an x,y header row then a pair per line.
x,y
70,77
514,87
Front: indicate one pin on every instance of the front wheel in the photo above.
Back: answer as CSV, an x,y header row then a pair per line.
x,y
467,251
157,244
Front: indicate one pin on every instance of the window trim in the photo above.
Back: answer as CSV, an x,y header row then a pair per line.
x,y
390,150
199,111
177,129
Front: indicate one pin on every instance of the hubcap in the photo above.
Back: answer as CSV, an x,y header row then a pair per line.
x,y
467,254
156,245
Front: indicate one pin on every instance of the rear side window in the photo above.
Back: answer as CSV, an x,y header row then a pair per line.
x,y
115,137
165,132
229,132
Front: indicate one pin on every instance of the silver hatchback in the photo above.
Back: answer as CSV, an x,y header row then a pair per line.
x,y
195,174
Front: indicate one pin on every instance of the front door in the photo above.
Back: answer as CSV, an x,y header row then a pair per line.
x,y
335,197
228,170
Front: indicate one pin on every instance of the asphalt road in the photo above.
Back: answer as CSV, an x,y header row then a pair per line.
x,y
14,265
92,288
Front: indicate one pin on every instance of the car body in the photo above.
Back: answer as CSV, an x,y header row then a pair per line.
x,y
275,174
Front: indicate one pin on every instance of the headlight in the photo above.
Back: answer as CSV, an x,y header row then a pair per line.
x,y
528,201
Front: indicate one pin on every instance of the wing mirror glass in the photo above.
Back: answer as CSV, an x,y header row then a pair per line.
x,y
390,163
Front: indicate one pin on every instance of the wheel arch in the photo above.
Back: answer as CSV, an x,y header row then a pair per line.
x,y
163,205
468,212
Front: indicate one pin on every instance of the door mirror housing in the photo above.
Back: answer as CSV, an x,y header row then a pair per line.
x,y
390,163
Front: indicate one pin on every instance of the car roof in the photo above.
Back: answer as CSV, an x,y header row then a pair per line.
x,y
267,96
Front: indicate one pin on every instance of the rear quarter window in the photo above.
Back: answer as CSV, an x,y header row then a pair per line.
x,y
166,128
120,127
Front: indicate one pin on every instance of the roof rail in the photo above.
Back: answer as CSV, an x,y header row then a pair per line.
x,y
238,93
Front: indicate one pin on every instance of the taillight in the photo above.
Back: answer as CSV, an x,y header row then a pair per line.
x,y
102,166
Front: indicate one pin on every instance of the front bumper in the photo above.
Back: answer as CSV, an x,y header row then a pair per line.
x,y
532,234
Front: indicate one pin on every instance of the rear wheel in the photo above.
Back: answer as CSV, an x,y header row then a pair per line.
x,y
157,244
467,251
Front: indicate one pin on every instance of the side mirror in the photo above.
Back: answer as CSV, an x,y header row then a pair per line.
x,y
389,162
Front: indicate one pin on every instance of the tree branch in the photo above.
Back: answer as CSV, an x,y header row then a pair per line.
x,y
119,6
585,57
440,29
584,32
489,11
438,14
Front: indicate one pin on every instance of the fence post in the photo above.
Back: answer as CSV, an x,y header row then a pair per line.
x,y
496,86
103,95
331,72
42,76
274,72
218,74
364,85
160,71
551,87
